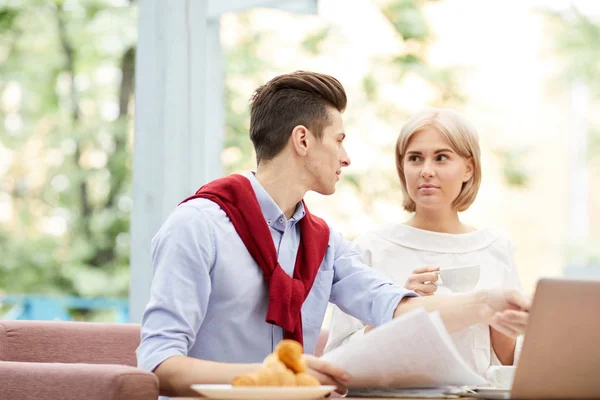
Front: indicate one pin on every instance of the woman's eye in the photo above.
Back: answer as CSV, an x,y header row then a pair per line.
x,y
443,157
414,158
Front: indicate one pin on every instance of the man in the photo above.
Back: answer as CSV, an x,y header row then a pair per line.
x,y
243,263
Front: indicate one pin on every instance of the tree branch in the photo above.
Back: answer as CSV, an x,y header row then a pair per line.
x,y
125,94
116,162
75,109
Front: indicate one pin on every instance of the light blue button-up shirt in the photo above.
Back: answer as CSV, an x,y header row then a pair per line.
x,y
209,300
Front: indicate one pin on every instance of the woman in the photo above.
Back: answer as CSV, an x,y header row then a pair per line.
x,y
438,162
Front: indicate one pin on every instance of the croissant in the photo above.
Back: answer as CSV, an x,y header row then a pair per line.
x,y
287,378
285,367
245,380
304,379
267,377
290,353
272,361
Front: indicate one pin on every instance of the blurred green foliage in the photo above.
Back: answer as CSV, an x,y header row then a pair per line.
x,y
66,84
313,43
577,44
576,39
514,168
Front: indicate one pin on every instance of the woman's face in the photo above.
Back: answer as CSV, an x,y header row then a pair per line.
x,y
434,172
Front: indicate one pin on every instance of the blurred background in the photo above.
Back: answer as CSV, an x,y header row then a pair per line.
x,y
525,73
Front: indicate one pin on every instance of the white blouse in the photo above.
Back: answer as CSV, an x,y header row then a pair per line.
x,y
396,250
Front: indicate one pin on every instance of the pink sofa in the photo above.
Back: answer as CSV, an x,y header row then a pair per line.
x,y
72,360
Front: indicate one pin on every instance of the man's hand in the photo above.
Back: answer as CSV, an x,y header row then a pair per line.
x,y
421,280
507,311
327,373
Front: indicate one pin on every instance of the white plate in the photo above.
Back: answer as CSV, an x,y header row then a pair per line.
x,y
228,392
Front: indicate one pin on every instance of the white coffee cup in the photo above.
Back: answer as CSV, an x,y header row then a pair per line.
x,y
501,376
458,279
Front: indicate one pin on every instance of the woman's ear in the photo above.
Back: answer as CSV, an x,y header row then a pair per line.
x,y
469,171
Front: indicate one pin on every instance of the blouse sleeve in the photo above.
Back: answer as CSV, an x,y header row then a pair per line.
x,y
511,281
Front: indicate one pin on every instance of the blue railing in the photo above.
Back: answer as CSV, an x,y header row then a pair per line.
x,y
38,307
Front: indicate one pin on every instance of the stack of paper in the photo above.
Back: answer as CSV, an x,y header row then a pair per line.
x,y
414,350
405,393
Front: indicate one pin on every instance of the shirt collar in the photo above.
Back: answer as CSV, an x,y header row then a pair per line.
x,y
271,211
437,242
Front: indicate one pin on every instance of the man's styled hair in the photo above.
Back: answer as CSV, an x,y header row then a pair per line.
x,y
286,101
461,136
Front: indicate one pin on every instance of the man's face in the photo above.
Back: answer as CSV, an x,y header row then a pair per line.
x,y
327,156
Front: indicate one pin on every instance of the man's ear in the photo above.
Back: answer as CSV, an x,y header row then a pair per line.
x,y
300,139
469,171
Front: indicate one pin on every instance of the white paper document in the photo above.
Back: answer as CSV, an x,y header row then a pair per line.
x,y
405,393
414,350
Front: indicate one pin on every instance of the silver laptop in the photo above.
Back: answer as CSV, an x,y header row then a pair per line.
x,y
560,358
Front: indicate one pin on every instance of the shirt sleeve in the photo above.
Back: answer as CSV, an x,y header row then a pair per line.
x,y
344,328
183,252
360,291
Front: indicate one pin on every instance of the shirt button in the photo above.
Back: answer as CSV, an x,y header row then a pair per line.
x,y
269,222
281,220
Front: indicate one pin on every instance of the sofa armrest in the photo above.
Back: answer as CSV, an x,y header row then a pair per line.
x,y
54,381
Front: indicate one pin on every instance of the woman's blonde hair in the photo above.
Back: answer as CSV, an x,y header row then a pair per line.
x,y
461,136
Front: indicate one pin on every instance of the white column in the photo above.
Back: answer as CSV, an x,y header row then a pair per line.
x,y
208,85
579,216
172,154
217,7
179,114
